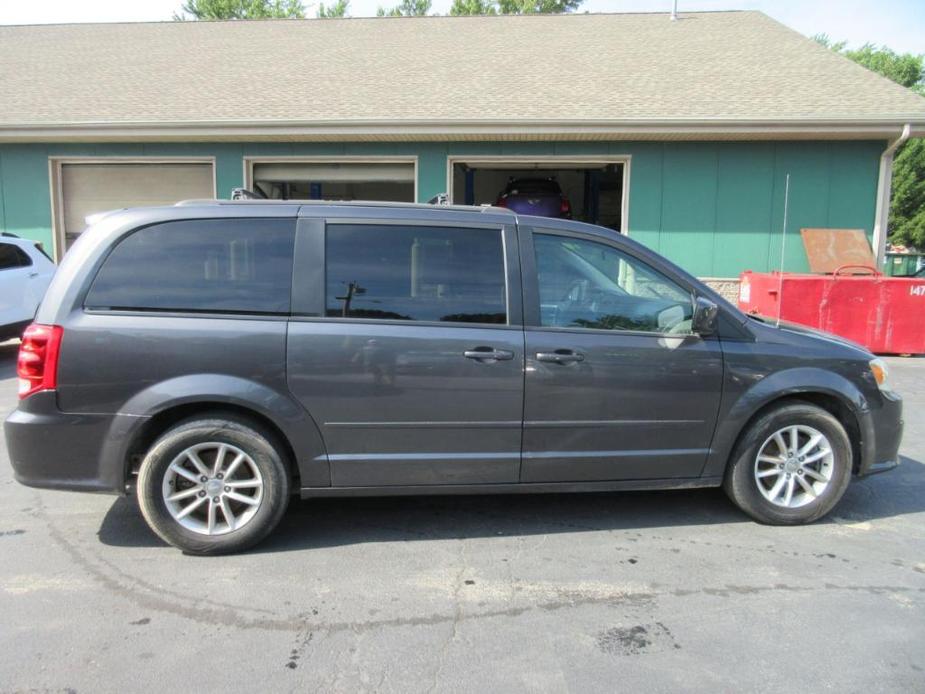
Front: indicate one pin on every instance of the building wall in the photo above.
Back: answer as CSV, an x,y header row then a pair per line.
x,y
716,208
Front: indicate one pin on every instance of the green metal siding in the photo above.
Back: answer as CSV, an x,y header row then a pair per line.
x,y
26,200
716,208
744,206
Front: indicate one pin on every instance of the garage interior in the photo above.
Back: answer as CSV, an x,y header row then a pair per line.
x,y
594,189
282,180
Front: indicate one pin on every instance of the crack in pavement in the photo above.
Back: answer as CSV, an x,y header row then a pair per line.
x,y
149,598
457,616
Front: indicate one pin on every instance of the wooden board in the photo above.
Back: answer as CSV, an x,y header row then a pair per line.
x,y
829,249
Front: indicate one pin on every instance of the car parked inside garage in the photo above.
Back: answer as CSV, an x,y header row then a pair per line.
x,y
535,196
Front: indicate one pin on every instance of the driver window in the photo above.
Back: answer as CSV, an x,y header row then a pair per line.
x,y
584,284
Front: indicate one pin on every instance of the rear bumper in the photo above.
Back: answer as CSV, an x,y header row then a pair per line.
x,y
57,450
881,438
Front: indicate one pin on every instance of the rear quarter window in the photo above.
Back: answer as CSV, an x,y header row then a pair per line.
x,y
214,266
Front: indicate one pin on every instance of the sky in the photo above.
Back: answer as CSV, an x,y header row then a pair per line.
x,y
897,24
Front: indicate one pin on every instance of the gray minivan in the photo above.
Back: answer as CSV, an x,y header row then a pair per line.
x,y
216,357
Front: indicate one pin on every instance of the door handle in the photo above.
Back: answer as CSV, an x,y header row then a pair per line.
x,y
486,353
33,274
560,356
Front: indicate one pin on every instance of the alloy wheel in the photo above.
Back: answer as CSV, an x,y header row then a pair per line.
x,y
794,466
212,488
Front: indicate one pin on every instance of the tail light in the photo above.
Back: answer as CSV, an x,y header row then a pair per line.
x,y
37,365
565,207
501,202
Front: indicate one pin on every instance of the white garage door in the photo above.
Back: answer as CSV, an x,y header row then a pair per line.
x,y
90,188
334,172
335,180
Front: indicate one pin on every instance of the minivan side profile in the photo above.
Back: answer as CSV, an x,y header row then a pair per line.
x,y
215,358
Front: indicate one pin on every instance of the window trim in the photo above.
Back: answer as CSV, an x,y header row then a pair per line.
x,y
531,285
513,306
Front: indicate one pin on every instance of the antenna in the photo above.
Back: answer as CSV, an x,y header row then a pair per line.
x,y
674,10
783,245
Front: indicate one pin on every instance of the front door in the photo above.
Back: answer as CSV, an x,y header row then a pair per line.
x,y
414,372
617,387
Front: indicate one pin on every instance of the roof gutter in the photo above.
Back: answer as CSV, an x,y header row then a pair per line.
x,y
449,130
884,184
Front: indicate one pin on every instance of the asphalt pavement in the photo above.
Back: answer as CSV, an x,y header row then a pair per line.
x,y
643,591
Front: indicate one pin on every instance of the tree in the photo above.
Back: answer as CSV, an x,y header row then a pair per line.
x,y
406,8
338,8
240,9
907,201
463,7
537,6
903,68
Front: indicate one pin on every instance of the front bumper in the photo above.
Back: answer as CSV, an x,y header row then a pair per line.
x,y
58,450
881,437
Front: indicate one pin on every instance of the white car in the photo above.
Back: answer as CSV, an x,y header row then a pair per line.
x,y
25,273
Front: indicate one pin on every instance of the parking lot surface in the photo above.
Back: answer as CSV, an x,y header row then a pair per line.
x,y
597,592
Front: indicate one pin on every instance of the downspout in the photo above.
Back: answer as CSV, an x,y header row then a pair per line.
x,y
884,181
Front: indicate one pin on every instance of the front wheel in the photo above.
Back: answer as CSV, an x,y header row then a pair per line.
x,y
792,465
213,485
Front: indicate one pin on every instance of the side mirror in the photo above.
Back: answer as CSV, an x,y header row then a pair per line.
x,y
705,317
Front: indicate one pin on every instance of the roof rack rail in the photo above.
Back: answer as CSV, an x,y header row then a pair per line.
x,y
255,200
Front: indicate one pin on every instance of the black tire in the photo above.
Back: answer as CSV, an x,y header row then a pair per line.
x,y
262,448
742,487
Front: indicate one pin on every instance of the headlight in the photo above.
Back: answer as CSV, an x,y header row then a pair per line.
x,y
881,375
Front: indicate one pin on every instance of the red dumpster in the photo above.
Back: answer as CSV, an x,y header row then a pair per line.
x,y
885,314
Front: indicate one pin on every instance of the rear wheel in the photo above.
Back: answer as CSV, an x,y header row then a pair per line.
x,y
792,465
213,485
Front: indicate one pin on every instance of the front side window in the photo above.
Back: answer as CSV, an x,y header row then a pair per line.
x,y
584,284
216,266
13,257
415,273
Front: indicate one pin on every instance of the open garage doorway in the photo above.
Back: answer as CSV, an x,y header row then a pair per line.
x,y
333,179
590,190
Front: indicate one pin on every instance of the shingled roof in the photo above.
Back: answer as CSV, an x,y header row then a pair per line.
x,y
578,76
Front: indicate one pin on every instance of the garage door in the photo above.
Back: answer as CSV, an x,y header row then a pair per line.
x,y
335,180
90,188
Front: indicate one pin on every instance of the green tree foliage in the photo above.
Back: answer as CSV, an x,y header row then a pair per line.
x,y
537,6
338,8
406,8
240,9
907,203
463,7
906,69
